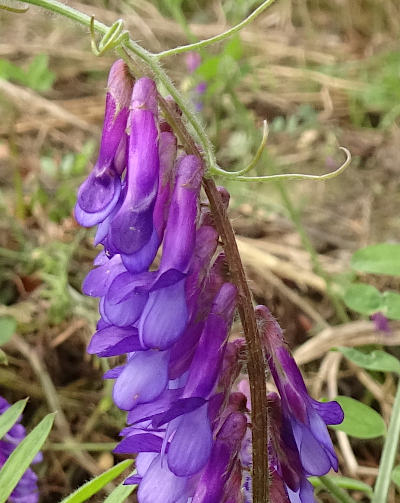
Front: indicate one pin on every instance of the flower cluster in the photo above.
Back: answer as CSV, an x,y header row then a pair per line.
x,y
299,444
26,490
172,322
171,319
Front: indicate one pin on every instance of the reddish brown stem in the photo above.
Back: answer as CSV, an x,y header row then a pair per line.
x,y
255,356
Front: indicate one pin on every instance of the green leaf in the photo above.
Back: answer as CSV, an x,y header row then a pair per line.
x,y
383,258
396,475
234,48
344,483
360,421
7,328
391,305
38,76
374,360
209,69
9,71
3,358
95,485
362,298
20,459
10,416
120,493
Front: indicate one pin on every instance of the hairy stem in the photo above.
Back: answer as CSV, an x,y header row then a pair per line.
x,y
255,356
256,363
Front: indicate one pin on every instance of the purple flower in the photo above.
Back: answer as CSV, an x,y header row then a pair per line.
x,y
193,61
132,225
381,322
171,319
99,194
26,491
304,420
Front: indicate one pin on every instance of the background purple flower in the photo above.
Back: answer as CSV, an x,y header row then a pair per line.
x,y
26,491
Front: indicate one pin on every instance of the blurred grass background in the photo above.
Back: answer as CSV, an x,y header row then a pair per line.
x,y
323,73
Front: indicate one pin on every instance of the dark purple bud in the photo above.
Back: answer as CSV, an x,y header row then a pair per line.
x,y
167,149
302,417
225,196
207,362
206,244
232,363
277,489
180,235
211,485
143,379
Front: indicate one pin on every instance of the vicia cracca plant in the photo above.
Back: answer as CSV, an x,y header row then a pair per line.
x,y
170,281
187,424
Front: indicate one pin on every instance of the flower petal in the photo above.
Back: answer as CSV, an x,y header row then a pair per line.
x,y
191,445
143,379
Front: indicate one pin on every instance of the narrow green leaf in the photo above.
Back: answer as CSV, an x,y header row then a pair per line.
x,y
344,483
93,486
360,421
362,298
382,258
22,456
396,475
391,305
7,328
10,416
120,493
375,360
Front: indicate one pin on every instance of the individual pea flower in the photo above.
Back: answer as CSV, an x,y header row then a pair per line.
x,y
26,491
305,418
131,227
99,193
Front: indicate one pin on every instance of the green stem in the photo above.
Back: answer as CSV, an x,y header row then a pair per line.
x,y
388,454
81,446
152,61
217,38
338,493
